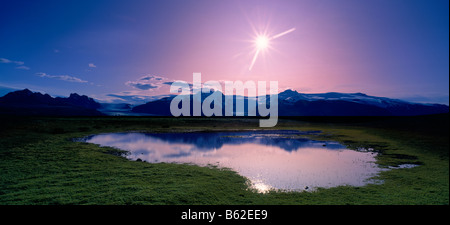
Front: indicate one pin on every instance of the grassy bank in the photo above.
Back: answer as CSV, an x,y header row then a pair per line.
x,y
40,164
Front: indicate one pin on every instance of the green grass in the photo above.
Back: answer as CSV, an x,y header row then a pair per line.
x,y
40,164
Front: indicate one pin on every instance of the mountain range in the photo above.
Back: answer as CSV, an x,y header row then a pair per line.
x,y
25,102
290,103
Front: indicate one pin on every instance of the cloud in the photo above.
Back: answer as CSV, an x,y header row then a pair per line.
x,y
133,98
171,82
62,77
23,68
151,77
147,82
146,88
3,60
141,86
91,65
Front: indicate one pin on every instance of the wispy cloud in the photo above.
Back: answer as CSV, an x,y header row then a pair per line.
x,y
3,60
23,68
62,77
141,86
131,98
147,82
92,65
18,63
146,88
151,77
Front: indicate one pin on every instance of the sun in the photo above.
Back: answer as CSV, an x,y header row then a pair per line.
x,y
262,42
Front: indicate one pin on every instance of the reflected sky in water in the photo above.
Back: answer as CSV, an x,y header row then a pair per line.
x,y
270,159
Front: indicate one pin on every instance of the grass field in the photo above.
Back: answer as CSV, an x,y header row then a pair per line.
x,y
41,164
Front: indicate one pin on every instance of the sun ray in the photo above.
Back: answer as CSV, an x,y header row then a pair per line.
x,y
282,33
254,59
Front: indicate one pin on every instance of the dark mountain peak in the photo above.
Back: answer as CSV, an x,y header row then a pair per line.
x,y
26,102
81,100
75,95
290,95
26,96
290,91
24,91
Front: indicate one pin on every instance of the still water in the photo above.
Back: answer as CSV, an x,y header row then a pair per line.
x,y
281,159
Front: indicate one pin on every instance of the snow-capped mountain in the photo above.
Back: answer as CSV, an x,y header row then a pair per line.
x,y
294,96
290,103
293,103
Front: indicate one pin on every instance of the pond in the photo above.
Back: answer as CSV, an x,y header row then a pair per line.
x,y
270,159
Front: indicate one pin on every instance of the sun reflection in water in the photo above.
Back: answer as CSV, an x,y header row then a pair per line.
x,y
270,160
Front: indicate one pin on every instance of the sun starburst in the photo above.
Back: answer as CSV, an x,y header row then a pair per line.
x,y
262,42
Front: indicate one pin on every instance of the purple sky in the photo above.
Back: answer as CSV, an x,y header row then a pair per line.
x,y
107,49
